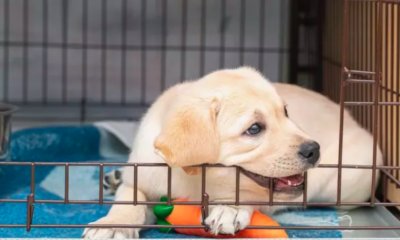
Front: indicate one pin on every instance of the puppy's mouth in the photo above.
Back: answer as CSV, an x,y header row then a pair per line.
x,y
289,183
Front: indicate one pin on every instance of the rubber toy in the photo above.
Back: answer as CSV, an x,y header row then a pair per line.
x,y
191,215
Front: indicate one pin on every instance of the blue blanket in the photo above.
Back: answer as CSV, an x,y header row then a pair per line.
x,y
78,144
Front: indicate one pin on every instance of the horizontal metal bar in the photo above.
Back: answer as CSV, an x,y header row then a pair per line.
x,y
78,46
360,81
200,226
198,203
372,103
358,166
84,164
360,72
129,164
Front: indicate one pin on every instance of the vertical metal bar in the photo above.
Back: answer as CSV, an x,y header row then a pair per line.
x,y
183,39
385,188
319,74
124,21
384,136
294,41
44,51
331,73
335,78
369,51
205,210
25,51
143,33
30,199
373,62
84,56
164,13
203,180
202,37
204,195
324,55
271,191
364,57
351,60
169,185
281,46
6,48
135,183
29,211
261,36
393,67
387,75
307,38
32,178
339,41
383,97
378,77
103,50
66,184
222,35
237,191
398,95
359,60
242,31
101,178
342,95
305,189
64,50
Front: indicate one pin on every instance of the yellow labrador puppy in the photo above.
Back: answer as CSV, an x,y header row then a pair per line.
x,y
236,117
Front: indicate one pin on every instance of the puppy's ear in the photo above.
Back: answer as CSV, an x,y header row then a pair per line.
x,y
189,135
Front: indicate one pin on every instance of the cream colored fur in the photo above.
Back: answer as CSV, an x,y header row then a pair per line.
x,y
203,122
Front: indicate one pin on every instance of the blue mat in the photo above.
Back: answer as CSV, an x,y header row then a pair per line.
x,y
79,144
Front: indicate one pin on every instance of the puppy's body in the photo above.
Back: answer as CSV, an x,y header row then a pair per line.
x,y
312,113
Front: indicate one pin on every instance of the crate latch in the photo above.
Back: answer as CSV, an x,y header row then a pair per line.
x,y
29,212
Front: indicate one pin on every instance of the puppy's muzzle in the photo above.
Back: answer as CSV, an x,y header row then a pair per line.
x,y
310,152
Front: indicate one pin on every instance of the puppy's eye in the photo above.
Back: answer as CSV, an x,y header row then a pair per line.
x,y
254,129
286,112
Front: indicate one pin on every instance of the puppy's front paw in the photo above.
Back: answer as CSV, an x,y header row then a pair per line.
x,y
228,220
109,233
111,181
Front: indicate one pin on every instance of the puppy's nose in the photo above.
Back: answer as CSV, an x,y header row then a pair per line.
x,y
309,151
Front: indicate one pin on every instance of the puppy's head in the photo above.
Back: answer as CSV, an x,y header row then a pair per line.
x,y
235,117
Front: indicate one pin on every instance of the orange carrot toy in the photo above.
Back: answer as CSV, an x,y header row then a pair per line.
x,y
191,215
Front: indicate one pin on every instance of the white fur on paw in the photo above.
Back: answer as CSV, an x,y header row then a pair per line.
x,y
109,233
228,220
111,181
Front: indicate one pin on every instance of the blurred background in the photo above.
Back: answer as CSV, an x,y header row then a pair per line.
x,y
87,60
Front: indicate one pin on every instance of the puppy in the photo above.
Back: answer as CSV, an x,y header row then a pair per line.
x,y
236,117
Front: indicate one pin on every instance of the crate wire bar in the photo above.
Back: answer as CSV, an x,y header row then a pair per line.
x,y
204,202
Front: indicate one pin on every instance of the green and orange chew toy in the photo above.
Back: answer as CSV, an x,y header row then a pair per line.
x,y
191,215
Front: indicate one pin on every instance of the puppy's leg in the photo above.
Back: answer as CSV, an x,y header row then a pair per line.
x,y
228,220
120,214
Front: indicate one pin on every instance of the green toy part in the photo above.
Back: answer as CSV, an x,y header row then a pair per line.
x,y
161,212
